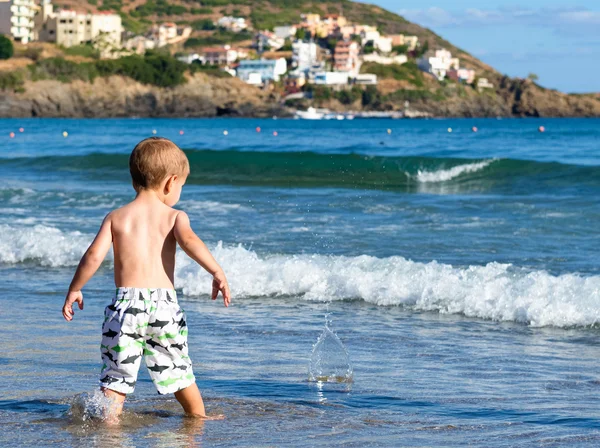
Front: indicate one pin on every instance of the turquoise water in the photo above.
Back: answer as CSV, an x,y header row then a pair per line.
x,y
460,270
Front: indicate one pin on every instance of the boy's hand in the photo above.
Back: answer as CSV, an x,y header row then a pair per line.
x,y
220,284
72,297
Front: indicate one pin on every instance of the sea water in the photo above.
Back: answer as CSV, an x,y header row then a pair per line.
x,y
461,272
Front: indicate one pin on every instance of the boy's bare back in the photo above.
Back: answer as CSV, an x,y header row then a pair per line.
x,y
143,236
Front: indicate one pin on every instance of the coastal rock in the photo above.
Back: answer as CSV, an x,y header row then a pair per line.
x,y
117,96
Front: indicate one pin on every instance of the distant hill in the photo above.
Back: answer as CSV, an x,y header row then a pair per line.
x,y
45,90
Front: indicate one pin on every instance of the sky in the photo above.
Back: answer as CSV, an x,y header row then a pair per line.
x,y
559,40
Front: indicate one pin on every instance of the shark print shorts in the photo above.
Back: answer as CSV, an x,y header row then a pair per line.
x,y
145,323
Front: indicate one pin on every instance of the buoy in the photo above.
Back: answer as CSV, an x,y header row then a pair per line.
x,y
181,132
449,129
154,131
258,129
275,133
11,135
21,130
474,129
225,133
389,131
542,129
65,134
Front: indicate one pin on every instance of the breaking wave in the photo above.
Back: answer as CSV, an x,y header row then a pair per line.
x,y
495,291
310,169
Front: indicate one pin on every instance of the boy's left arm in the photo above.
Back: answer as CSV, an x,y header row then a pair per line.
x,y
89,264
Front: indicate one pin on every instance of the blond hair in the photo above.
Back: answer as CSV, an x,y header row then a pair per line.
x,y
153,160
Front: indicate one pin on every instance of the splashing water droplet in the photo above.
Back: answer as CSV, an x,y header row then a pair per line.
x,y
88,406
329,362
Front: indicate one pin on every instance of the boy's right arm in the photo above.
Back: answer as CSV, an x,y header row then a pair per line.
x,y
89,264
197,250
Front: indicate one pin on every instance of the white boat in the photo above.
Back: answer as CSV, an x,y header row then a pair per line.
x,y
311,114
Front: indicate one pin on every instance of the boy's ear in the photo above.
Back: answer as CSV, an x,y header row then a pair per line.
x,y
169,184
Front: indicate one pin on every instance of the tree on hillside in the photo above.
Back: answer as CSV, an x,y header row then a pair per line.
x,y
6,47
533,77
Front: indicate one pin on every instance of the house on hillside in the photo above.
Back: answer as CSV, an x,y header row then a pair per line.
x,y
285,32
401,39
304,55
261,71
139,44
17,19
463,75
69,27
439,64
385,60
346,57
235,24
269,40
225,55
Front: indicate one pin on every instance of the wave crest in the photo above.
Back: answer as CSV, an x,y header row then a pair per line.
x,y
495,291
445,175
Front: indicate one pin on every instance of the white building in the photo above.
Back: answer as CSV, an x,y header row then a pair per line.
x,y
139,44
268,39
285,32
483,83
383,44
236,24
411,42
69,28
16,19
366,79
440,64
304,55
331,78
189,58
385,60
260,71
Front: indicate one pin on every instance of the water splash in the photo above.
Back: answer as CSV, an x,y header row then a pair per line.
x,y
329,362
92,406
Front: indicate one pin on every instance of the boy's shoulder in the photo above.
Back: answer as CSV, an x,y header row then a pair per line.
x,y
136,209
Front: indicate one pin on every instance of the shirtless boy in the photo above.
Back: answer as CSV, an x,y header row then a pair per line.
x,y
144,319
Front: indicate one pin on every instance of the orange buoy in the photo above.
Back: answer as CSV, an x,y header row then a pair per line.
x,y
11,135
275,133
258,129
542,129
474,129
181,132
21,130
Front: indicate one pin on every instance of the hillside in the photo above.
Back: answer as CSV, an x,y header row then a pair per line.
x,y
43,80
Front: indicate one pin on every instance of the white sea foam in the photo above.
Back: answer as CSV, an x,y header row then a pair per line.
x,y
45,245
494,291
451,173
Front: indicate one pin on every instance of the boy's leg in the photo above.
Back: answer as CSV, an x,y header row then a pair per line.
x,y
118,400
191,401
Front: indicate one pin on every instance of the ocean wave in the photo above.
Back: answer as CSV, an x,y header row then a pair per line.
x,y
445,175
495,291
310,169
42,245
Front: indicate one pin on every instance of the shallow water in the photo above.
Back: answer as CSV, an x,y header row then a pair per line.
x,y
461,271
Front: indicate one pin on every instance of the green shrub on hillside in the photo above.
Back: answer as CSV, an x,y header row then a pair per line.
x,y
12,81
62,70
86,50
405,72
159,8
6,47
220,37
204,25
153,68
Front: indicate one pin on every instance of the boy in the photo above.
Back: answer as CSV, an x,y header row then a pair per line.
x,y
144,317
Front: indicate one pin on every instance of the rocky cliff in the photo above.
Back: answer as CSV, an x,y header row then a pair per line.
x,y
207,96
117,96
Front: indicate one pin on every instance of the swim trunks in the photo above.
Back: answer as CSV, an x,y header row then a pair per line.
x,y
145,323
